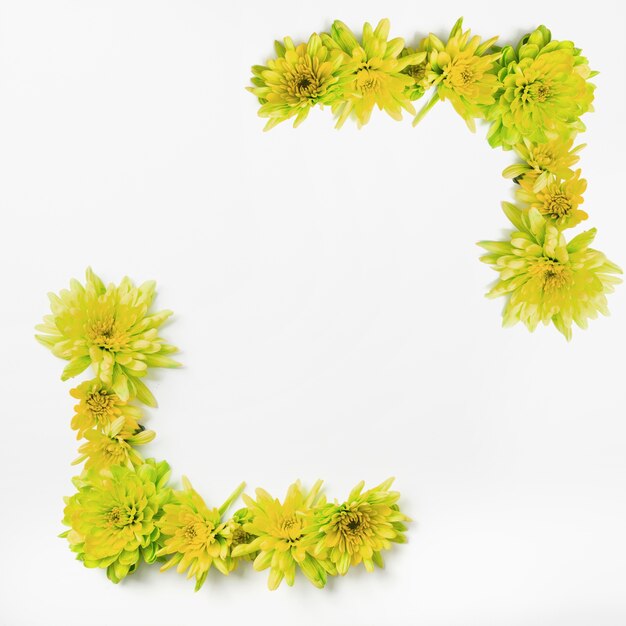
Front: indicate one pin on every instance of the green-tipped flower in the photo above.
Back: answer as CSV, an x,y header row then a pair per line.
x,y
417,72
113,445
111,329
359,529
239,536
543,162
545,91
547,279
99,407
298,79
280,530
558,201
194,536
461,72
112,517
376,72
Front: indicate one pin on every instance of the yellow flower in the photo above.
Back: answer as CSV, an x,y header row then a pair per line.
x,y
195,536
280,531
558,201
461,72
376,72
543,162
547,279
357,530
113,446
298,79
545,91
112,516
99,407
111,329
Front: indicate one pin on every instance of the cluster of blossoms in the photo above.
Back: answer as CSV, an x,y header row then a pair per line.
x,y
532,95
124,512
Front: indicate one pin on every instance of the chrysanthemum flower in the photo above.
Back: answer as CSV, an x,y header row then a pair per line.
x,y
298,79
376,72
545,90
418,72
461,72
558,201
99,407
112,517
356,531
195,536
240,536
113,445
111,329
547,279
542,162
280,532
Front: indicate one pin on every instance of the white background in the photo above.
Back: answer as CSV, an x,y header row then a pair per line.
x,y
330,312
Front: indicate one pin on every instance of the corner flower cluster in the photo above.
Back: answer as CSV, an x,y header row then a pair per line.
x,y
112,517
544,91
532,95
124,513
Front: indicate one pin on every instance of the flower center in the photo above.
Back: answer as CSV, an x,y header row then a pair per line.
x,y
542,93
467,76
554,276
541,160
104,334
120,517
114,451
99,403
367,81
240,536
191,532
291,529
198,532
416,72
303,83
353,524
458,75
558,205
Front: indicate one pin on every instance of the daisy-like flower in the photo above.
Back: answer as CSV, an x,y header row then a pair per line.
x,y
547,279
545,90
298,79
558,201
110,328
376,72
113,445
462,73
112,517
280,536
194,536
356,531
542,162
99,407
